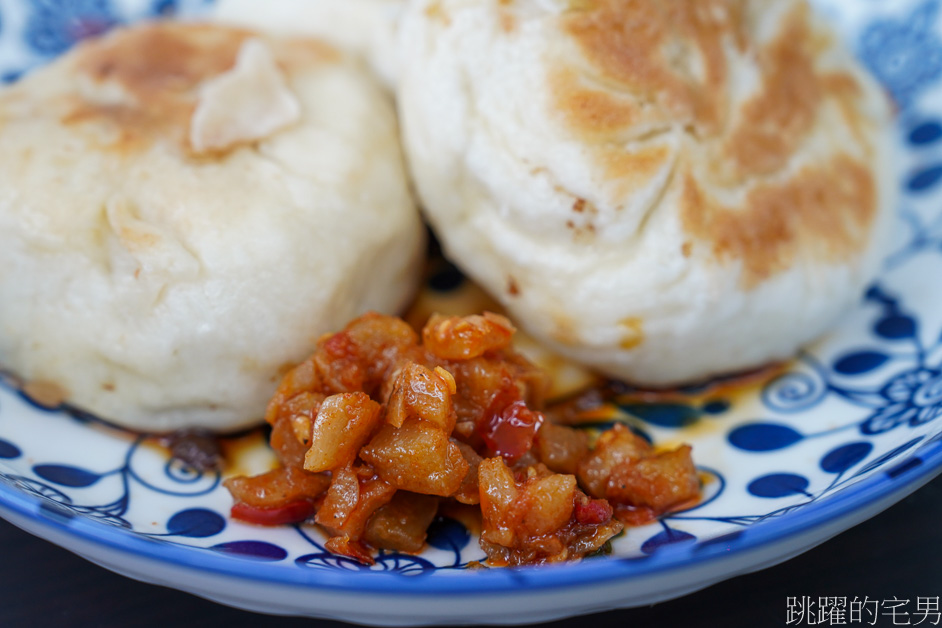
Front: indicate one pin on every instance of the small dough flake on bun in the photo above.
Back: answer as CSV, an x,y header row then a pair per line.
x,y
666,190
185,209
366,28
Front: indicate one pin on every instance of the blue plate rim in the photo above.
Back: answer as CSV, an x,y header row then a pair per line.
x,y
820,513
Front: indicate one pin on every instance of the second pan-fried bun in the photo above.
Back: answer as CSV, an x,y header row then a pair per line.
x,y
663,189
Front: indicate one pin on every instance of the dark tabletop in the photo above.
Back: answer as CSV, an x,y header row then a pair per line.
x,y
894,556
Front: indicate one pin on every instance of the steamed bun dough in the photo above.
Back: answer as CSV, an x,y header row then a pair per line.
x,y
184,210
365,28
663,189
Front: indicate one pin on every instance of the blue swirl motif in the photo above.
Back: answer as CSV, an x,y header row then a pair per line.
x,y
62,505
910,397
178,481
402,564
907,396
905,54
845,463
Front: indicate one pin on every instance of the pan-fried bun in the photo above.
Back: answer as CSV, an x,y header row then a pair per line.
x,y
185,209
663,189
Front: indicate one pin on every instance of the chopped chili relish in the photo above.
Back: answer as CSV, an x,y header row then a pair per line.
x,y
376,431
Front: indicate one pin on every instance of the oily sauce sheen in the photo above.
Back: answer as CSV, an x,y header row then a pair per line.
x,y
380,430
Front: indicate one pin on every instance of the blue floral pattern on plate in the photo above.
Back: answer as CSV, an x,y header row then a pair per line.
x,y
859,412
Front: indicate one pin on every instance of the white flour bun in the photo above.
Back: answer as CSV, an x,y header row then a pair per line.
x,y
185,209
663,189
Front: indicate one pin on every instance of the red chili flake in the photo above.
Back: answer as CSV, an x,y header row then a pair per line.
x,y
593,511
510,426
292,512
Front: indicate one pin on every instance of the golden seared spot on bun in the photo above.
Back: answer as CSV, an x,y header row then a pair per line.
x,y
825,210
595,112
776,121
144,80
665,63
162,60
654,66
138,85
632,168
667,54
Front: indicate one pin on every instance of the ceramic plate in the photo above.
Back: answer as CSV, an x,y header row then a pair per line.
x,y
794,457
